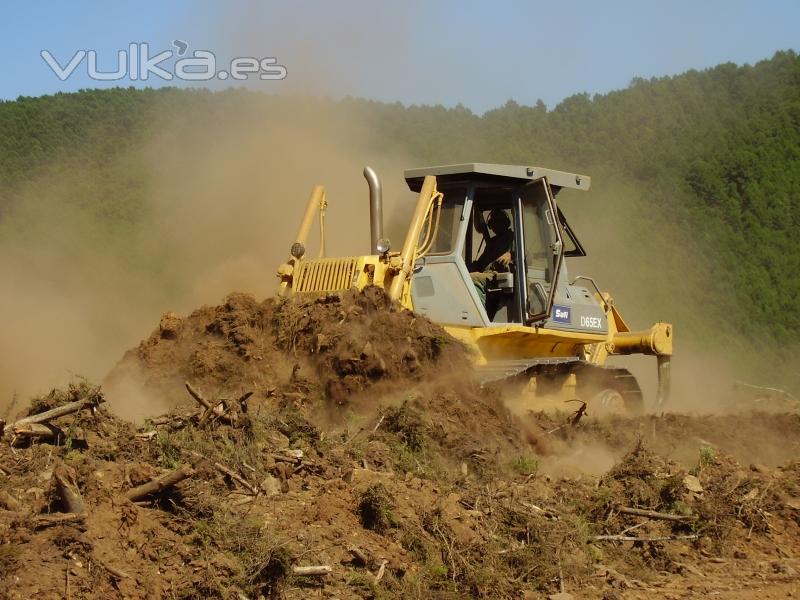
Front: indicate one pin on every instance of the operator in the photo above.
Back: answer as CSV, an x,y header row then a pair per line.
x,y
496,256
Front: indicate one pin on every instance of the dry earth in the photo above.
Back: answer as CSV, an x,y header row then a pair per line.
x,y
344,433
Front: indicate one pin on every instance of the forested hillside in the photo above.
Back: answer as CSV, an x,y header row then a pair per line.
x,y
715,152
711,158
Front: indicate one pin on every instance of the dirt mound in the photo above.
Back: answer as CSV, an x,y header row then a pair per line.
x,y
336,346
337,447
267,494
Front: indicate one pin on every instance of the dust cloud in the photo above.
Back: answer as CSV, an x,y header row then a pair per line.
x,y
584,457
225,183
655,272
224,197
225,189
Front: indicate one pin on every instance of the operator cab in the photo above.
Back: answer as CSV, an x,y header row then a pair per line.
x,y
498,252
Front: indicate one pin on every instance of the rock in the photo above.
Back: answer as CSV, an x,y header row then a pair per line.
x,y
761,469
169,326
783,569
277,440
458,520
692,483
271,485
365,477
284,472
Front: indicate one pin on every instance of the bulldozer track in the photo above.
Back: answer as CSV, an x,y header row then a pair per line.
x,y
500,370
592,379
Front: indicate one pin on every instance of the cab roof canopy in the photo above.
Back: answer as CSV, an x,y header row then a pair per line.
x,y
490,173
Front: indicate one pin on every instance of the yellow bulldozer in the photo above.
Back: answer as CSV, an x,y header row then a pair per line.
x,y
486,257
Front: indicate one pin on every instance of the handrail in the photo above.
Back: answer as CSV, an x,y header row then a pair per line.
x,y
596,288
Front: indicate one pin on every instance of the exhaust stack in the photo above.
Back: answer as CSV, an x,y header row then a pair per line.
x,y
375,208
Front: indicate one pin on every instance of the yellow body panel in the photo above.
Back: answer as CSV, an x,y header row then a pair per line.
x,y
496,342
517,341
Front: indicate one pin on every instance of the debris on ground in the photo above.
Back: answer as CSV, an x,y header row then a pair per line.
x,y
338,447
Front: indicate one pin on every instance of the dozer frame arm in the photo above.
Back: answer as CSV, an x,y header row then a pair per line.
x,y
412,238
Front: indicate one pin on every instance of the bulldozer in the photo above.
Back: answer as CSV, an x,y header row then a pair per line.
x,y
487,256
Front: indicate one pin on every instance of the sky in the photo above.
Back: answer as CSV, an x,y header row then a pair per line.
x,y
478,54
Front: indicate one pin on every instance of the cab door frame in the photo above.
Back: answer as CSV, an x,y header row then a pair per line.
x,y
555,245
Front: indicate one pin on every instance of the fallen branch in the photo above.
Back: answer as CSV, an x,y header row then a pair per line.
x,y
230,473
242,401
196,395
36,431
651,514
378,424
632,527
358,556
204,417
286,459
159,484
243,500
547,512
317,571
61,411
630,538
381,571
67,490
42,521
171,419
112,570
296,460
574,419
578,414
210,409
237,478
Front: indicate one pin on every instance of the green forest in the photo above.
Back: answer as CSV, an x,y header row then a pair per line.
x,y
712,158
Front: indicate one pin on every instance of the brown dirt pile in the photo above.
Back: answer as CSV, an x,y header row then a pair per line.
x,y
338,347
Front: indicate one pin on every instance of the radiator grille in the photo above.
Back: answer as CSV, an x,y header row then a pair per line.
x,y
325,275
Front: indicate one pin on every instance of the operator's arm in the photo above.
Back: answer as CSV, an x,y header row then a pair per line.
x,y
498,253
504,259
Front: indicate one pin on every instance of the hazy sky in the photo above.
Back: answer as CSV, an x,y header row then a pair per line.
x,y
479,54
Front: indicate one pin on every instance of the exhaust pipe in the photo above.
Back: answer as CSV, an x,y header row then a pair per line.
x,y
375,208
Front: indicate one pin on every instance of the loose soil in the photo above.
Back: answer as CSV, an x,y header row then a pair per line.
x,y
351,434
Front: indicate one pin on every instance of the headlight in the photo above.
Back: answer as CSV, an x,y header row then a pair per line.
x,y
298,250
383,245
